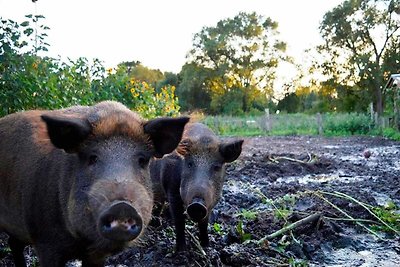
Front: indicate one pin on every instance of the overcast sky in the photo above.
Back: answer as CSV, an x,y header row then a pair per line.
x,y
159,33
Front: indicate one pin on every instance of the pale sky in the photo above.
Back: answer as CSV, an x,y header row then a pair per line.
x,y
159,33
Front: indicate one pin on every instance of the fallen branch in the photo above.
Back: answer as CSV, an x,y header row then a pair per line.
x,y
289,227
276,159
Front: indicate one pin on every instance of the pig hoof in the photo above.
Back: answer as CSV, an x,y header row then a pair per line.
x,y
120,222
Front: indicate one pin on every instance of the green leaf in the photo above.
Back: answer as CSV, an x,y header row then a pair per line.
x,y
25,23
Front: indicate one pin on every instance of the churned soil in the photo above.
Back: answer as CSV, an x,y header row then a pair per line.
x,y
275,182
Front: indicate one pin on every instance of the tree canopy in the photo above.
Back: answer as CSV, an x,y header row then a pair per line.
x,y
238,59
361,47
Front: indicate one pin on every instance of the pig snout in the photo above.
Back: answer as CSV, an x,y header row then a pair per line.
x,y
197,210
120,222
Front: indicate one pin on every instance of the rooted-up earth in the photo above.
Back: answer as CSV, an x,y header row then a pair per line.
x,y
351,185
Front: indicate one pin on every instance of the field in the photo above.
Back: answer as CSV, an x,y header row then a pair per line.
x,y
279,180
353,202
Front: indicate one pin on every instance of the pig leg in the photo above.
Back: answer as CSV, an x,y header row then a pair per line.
x,y
177,212
17,251
203,232
90,263
50,255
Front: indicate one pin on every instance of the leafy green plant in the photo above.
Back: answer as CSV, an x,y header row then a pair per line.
x,y
297,262
390,214
247,214
282,244
30,80
151,104
218,228
282,213
242,234
347,123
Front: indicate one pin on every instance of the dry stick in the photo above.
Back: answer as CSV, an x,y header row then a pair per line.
x,y
273,160
276,160
305,220
309,157
347,215
196,243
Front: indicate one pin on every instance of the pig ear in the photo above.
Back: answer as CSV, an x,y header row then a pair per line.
x,y
184,147
231,151
166,133
66,132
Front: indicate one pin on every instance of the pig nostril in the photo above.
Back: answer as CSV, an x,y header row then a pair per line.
x,y
135,229
120,222
108,223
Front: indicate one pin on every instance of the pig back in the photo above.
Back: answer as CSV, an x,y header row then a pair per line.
x,y
26,154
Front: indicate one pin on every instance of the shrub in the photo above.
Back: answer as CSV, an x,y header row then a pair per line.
x,y
346,123
30,81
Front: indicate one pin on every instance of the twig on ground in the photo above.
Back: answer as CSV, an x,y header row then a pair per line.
x,y
196,243
276,159
303,221
272,159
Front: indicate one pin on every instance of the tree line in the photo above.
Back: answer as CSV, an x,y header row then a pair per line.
x,y
231,68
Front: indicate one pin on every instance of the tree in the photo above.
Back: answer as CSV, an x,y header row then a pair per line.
x,y
359,35
192,91
150,76
242,54
129,65
290,103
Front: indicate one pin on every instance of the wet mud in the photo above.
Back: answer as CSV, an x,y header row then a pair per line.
x,y
278,181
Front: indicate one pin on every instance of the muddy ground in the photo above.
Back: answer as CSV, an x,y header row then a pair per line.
x,y
278,181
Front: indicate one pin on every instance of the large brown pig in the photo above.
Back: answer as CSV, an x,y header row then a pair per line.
x,y
191,178
75,182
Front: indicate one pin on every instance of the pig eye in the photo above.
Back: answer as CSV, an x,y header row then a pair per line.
x,y
217,167
190,164
143,162
92,159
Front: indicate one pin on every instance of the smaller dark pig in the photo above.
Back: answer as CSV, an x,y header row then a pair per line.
x,y
191,178
75,182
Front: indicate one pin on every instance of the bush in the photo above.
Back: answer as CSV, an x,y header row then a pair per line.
x,y
151,104
31,81
391,134
347,123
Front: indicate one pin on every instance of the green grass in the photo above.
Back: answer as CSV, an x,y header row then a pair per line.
x,y
333,124
391,134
